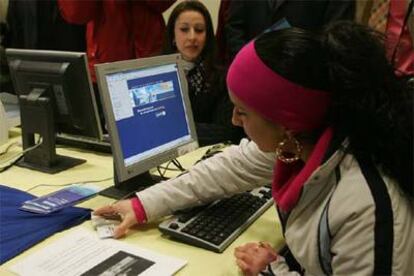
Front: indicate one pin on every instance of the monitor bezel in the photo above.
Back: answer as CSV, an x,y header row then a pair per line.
x,y
51,87
123,173
52,56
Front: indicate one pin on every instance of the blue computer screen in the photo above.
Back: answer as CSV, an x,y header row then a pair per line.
x,y
149,111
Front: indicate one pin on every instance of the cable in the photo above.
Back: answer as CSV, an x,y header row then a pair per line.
x,y
39,142
169,169
178,164
175,162
8,148
162,174
7,164
159,172
68,184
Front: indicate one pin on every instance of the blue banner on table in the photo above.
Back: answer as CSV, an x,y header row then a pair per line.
x,y
20,230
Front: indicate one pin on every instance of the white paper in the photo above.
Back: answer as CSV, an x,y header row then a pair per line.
x,y
81,252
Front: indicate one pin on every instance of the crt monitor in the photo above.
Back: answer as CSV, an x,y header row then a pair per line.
x,y
55,96
149,117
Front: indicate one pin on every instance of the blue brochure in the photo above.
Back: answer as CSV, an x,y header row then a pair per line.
x,y
58,200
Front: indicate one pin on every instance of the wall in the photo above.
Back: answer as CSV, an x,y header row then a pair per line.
x,y
3,9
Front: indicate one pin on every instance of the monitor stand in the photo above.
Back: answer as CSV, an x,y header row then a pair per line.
x,y
128,188
37,117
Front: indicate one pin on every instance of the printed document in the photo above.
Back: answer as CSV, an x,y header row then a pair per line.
x,y
81,252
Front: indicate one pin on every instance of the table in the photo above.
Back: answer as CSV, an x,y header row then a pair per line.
x,y
100,166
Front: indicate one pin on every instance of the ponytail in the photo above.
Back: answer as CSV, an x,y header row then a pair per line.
x,y
371,106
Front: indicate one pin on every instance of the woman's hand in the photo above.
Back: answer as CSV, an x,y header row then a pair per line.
x,y
122,208
252,258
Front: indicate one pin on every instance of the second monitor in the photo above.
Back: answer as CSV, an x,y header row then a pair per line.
x,y
55,97
148,115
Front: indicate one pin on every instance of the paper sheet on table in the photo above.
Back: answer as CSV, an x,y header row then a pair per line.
x,y
81,252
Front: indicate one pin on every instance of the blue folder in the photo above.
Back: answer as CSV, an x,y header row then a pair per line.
x,y
19,230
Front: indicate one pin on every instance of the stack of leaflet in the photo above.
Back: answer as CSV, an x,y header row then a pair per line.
x,y
58,200
19,230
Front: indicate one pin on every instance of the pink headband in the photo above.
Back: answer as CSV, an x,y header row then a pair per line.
x,y
277,99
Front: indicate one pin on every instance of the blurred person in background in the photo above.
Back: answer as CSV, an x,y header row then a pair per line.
x,y
395,20
37,24
117,30
248,18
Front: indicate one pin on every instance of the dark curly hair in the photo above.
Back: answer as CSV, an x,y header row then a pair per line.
x,y
370,104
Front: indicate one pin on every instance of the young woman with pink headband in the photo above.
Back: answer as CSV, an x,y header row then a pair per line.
x,y
331,128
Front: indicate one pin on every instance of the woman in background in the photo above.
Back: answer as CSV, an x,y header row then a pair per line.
x,y
190,33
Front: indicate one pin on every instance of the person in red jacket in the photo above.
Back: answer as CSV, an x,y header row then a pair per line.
x,y
118,30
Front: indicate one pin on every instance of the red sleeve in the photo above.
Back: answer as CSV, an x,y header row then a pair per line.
x,y
139,210
159,6
78,11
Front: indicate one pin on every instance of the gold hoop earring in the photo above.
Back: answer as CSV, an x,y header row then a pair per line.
x,y
287,156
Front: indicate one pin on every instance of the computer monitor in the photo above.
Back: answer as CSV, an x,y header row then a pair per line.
x,y
149,117
55,96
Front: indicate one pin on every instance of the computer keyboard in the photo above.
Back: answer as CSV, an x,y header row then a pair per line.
x,y
217,225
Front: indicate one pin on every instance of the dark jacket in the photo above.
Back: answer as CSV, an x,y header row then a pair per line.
x,y
37,24
212,110
247,19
